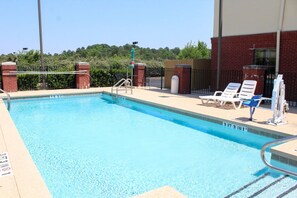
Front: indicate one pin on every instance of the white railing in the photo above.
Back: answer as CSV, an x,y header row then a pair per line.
x,y
127,83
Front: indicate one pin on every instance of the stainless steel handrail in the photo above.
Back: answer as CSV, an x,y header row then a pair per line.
x,y
123,81
8,98
282,140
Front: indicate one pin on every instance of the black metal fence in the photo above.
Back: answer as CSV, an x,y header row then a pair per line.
x,y
202,81
51,81
154,77
100,77
290,80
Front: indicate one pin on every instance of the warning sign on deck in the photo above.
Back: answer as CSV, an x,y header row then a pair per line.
x,y
5,167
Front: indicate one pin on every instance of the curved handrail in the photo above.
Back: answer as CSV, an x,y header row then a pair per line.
x,y
123,81
282,140
8,98
126,82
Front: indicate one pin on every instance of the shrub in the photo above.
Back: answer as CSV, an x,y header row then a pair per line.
x,y
27,81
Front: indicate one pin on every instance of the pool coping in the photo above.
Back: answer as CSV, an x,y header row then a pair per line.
x,y
31,184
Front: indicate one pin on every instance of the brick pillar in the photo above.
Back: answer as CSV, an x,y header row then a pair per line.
x,y
9,81
139,78
255,72
82,80
184,74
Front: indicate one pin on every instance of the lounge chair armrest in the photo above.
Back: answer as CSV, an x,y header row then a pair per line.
x,y
248,99
262,98
217,92
265,98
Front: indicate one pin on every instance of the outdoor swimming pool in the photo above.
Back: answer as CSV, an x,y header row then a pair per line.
x,y
91,146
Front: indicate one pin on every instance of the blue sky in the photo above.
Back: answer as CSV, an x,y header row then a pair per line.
x,y
70,24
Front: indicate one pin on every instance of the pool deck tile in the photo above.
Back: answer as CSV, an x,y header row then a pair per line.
x,y
27,182
190,103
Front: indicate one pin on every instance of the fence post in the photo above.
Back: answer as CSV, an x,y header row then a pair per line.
x,y
10,83
82,80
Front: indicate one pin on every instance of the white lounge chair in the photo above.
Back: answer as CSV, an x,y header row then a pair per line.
x,y
229,92
246,92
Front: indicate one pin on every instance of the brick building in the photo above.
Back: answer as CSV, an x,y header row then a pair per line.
x,y
257,32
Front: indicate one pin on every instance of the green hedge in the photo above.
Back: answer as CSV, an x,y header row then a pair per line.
x,y
60,81
99,78
27,82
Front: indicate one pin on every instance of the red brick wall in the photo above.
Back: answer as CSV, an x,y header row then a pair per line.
x,y
184,76
9,81
237,51
139,75
288,51
82,80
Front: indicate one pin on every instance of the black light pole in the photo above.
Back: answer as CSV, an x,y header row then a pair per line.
x,y
41,45
219,43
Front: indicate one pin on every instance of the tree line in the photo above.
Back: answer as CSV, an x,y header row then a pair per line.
x,y
104,55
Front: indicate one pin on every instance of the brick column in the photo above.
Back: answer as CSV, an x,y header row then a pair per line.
x,y
255,72
184,74
9,81
139,74
82,80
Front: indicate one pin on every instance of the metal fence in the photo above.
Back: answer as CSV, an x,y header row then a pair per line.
x,y
202,81
48,81
290,80
154,77
100,77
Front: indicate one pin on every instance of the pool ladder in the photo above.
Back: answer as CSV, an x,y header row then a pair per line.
x,y
127,83
7,97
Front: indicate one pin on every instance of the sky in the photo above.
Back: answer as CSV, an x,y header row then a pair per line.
x,y
71,24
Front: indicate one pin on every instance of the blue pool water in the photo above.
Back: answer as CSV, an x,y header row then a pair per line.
x,y
91,146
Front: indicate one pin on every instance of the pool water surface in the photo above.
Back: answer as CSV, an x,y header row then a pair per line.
x,y
93,146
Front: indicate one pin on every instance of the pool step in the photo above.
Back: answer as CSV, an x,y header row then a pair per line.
x,y
268,185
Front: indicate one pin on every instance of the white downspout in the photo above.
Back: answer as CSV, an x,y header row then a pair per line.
x,y
278,32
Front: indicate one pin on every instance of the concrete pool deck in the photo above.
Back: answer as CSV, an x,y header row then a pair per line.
x,y
27,182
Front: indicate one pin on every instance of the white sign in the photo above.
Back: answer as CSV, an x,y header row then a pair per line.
x,y
5,167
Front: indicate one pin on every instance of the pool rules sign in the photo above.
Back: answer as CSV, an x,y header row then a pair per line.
x,y
5,167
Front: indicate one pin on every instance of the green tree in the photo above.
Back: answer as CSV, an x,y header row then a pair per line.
x,y
28,58
192,51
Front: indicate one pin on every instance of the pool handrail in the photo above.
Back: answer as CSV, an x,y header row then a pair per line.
x,y
122,82
278,141
8,98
